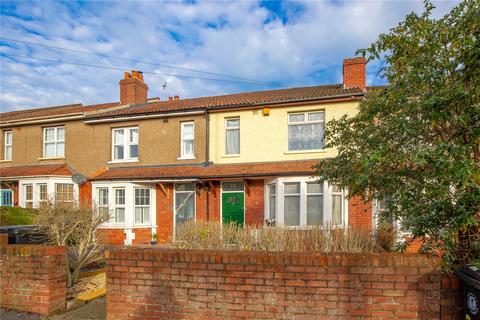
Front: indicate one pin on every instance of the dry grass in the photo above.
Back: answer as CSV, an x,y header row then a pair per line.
x,y
212,235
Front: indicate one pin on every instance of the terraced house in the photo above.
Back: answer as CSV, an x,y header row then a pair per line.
x,y
154,164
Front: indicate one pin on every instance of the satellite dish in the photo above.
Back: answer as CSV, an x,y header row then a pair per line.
x,y
79,178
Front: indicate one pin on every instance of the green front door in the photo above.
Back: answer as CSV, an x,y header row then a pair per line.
x,y
233,202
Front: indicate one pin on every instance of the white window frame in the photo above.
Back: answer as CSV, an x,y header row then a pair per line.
x,y
39,191
13,198
72,201
50,182
272,220
127,131
183,155
55,142
100,204
28,201
327,202
119,205
149,206
322,193
8,145
227,128
304,122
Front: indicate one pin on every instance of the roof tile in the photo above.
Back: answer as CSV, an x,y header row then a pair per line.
x,y
36,170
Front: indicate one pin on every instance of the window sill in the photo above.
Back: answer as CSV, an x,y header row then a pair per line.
x,y
2,161
123,161
123,226
186,158
230,156
51,158
306,151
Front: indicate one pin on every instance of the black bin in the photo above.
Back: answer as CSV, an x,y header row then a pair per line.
x,y
19,234
470,277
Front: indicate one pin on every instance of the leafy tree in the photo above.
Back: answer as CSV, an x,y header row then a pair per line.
x,y
415,142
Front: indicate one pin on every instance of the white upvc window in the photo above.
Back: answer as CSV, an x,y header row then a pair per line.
x,y
28,195
119,202
64,193
103,201
187,140
8,146
142,206
304,202
54,142
306,131
42,193
232,136
125,144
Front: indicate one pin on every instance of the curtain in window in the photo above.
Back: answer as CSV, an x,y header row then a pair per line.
x,y
337,209
232,141
305,136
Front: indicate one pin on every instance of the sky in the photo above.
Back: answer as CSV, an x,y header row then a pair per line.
x,y
272,44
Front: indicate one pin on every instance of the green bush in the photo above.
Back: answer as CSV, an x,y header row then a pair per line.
x,y
14,216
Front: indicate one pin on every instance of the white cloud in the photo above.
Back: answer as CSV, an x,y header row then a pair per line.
x,y
237,38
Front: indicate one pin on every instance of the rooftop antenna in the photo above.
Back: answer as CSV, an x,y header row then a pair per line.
x,y
164,85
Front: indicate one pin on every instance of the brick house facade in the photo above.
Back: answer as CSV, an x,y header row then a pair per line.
x,y
153,164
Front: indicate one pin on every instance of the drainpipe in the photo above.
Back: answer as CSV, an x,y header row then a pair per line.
x,y
207,159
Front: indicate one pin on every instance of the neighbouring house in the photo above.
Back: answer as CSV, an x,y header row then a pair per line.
x,y
154,164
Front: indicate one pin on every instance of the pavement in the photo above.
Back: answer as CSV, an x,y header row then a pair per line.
x,y
95,310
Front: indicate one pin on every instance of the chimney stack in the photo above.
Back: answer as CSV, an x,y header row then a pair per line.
x,y
132,88
354,73
176,98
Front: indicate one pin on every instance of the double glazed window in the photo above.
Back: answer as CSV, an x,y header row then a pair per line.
x,y
64,193
142,206
232,136
187,140
54,142
28,194
272,199
103,201
306,131
119,205
125,144
184,202
7,153
42,193
315,204
292,204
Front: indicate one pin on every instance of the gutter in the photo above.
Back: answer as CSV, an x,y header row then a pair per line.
x,y
73,116
148,116
14,178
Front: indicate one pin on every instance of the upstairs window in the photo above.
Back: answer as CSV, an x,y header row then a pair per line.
x,y
7,155
187,140
232,136
125,144
306,131
54,142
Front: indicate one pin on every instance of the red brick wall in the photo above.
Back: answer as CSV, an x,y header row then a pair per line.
x,y
33,278
165,213
112,236
451,304
359,213
159,283
85,193
142,236
254,202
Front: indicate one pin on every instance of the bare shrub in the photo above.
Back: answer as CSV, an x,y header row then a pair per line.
x,y
72,226
213,235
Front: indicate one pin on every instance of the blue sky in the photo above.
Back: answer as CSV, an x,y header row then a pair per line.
x,y
284,44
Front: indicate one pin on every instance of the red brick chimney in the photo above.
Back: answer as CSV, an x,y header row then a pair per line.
x,y
133,89
354,73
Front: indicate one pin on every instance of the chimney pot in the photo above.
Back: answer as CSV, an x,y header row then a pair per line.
x,y
354,73
132,88
170,98
176,98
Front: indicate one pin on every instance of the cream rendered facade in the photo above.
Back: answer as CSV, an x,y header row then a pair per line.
x,y
264,138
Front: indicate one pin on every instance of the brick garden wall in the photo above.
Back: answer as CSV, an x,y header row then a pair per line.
x,y
154,283
33,278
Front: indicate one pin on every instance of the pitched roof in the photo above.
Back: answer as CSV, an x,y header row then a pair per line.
x,y
201,171
53,111
36,170
237,100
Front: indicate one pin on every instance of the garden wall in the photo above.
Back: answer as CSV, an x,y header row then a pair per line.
x,y
154,283
33,278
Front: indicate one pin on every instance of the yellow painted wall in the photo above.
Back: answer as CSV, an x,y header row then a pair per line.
x,y
265,138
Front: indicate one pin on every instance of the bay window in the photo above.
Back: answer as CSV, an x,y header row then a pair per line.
x,y
54,142
306,131
42,193
142,206
119,203
304,202
103,201
64,193
28,194
187,140
125,144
